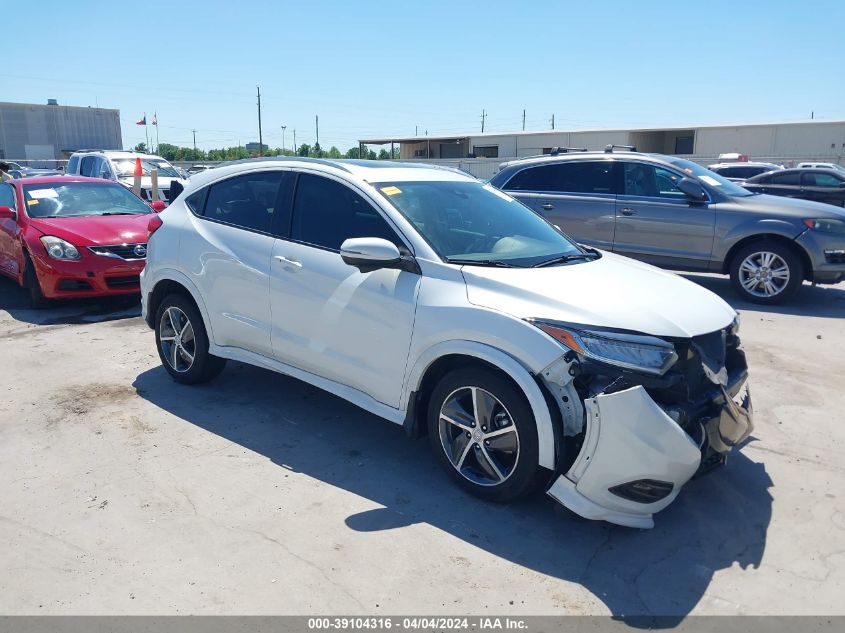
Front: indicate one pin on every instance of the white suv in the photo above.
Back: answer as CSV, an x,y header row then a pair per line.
x,y
120,166
440,303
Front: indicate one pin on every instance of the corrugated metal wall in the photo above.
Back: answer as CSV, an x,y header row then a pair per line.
x,y
40,132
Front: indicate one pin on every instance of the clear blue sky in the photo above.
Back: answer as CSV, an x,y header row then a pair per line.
x,y
373,68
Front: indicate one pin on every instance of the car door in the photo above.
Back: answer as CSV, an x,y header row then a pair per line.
x,y
785,183
657,223
9,231
329,318
823,186
228,254
579,196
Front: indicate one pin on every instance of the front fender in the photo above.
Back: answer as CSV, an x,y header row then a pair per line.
x,y
727,239
507,363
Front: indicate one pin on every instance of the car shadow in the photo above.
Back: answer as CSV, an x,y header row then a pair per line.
x,y
15,301
819,301
718,520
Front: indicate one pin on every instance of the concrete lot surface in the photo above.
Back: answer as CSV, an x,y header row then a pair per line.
x,y
125,493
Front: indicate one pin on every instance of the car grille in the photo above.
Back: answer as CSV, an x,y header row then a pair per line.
x,y
128,252
73,284
835,256
123,282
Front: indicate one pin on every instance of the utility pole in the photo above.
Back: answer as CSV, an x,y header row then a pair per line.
x,y
295,148
523,120
812,114
195,139
416,130
260,138
483,117
284,127
553,120
317,123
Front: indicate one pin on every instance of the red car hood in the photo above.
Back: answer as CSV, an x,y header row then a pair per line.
x,y
96,229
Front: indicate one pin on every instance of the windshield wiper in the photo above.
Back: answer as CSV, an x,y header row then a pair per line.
x,y
116,213
562,259
482,262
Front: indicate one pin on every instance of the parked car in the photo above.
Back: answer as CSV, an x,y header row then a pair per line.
x,y
30,172
64,237
819,185
120,167
440,303
676,214
737,172
198,169
835,166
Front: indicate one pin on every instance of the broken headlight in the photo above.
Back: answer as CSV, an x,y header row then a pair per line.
x,y
639,352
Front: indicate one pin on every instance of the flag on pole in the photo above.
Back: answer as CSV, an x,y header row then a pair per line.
x,y
155,120
142,121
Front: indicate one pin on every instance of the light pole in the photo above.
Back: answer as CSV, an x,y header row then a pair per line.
x,y
284,127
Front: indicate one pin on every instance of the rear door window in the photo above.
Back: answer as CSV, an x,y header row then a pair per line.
x,y
791,178
590,177
249,201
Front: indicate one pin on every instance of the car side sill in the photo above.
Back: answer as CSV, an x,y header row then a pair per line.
x,y
350,394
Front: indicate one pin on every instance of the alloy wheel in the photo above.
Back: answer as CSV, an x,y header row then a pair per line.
x,y
176,337
478,435
764,274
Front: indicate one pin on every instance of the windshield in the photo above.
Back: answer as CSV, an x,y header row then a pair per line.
x,y
126,167
81,198
710,178
471,222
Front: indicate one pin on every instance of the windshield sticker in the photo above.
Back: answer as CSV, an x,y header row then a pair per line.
x,y
43,193
710,180
390,191
31,202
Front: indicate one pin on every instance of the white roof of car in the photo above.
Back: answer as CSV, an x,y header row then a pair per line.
x,y
370,171
117,154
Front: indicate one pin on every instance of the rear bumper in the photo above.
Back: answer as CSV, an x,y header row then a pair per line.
x,y
91,276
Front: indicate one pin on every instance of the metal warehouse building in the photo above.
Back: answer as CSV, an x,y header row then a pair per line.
x,y
812,139
30,132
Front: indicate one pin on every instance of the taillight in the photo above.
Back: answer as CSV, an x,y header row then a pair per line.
x,y
153,226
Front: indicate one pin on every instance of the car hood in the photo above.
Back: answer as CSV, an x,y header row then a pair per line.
x,y
610,292
787,207
96,230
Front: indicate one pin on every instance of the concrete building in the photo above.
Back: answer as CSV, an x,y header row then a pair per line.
x,y
46,133
816,139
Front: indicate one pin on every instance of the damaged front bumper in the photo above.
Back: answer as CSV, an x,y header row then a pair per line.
x,y
638,440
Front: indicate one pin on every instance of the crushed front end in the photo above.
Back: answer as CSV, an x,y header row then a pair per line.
x,y
634,436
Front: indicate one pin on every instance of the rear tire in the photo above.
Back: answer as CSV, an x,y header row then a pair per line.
x,y
36,298
766,272
182,342
483,433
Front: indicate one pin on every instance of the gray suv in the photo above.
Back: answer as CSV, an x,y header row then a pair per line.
x,y
676,214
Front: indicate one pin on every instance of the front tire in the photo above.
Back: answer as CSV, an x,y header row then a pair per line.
x,y
182,342
766,272
36,297
483,433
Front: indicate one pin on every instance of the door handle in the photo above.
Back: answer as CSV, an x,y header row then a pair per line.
x,y
288,263
628,211
548,206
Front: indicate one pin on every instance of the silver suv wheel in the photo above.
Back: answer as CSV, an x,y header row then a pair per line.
x,y
176,337
478,435
764,274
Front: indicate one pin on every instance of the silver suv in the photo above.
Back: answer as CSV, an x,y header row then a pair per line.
x,y
676,214
120,166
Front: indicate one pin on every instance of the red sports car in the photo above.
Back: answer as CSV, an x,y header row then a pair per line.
x,y
64,237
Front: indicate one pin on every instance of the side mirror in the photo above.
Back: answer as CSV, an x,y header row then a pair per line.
x,y
7,213
158,205
370,253
693,189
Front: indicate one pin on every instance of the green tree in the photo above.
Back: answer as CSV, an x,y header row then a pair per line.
x,y
353,152
141,147
334,152
304,150
371,155
383,154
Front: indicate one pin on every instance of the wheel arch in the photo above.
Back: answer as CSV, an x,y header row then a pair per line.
x,y
174,284
444,357
776,238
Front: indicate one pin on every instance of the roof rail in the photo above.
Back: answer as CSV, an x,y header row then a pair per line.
x,y
609,149
565,150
